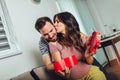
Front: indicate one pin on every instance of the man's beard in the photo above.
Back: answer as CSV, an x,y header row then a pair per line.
x,y
52,40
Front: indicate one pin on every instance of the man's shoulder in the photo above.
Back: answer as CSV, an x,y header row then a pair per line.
x,y
42,41
43,46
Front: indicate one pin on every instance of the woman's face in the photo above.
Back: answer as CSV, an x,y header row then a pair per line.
x,y
60,27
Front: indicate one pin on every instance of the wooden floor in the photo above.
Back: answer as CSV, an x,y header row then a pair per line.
x,y
113,70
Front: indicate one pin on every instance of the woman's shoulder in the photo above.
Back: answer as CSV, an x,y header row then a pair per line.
x,y
83,37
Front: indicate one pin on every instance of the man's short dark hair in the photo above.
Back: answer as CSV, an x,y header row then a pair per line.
x,y
40,23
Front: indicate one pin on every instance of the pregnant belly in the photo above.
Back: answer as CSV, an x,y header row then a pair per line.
x,y
79,70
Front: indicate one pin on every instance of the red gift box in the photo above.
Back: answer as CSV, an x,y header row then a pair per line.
x,y
68,62
95,41
59,66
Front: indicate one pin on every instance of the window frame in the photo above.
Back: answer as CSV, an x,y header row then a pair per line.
x,y
8,28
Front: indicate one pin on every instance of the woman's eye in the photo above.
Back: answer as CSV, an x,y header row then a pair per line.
x,y
57,21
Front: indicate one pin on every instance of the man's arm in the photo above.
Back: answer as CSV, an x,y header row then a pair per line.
x,y
44,50
48,63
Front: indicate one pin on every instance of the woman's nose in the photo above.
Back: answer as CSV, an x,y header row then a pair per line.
x,y
55,24
56,27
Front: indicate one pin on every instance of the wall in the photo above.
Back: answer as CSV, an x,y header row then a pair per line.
x,y
106,16
85,16
70,6
109,12
23,14
105,13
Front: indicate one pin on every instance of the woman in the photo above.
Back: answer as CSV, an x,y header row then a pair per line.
x,y
71,42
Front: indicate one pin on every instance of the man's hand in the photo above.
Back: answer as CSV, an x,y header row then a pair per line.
x,y
48,63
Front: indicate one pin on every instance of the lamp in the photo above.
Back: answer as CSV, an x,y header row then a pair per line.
x,y
36,1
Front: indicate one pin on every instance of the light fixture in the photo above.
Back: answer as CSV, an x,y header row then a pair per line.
x,y
36,1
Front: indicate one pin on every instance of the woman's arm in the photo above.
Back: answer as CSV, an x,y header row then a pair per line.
x,y
88,55
56,55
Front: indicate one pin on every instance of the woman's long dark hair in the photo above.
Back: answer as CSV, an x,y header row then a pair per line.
x,y
72,37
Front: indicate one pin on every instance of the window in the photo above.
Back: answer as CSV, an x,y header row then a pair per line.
x,y
8,43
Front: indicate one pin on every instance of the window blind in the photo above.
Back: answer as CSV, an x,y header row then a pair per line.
x,y
4,45
8,43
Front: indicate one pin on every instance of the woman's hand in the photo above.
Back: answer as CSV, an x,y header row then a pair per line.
x,y
88,45
88,54
65,73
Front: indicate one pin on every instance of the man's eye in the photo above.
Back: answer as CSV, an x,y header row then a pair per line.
x,y
45,35
51,30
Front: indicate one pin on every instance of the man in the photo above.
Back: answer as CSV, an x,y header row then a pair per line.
x,y
45,26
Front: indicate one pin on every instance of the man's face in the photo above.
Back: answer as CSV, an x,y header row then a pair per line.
x,y
49,32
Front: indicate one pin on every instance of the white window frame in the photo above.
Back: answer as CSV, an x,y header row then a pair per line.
x,y
6,21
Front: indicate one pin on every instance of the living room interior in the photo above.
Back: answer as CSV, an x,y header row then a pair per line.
x,y
21,54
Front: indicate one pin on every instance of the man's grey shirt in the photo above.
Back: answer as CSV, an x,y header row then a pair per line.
x,y
44,47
